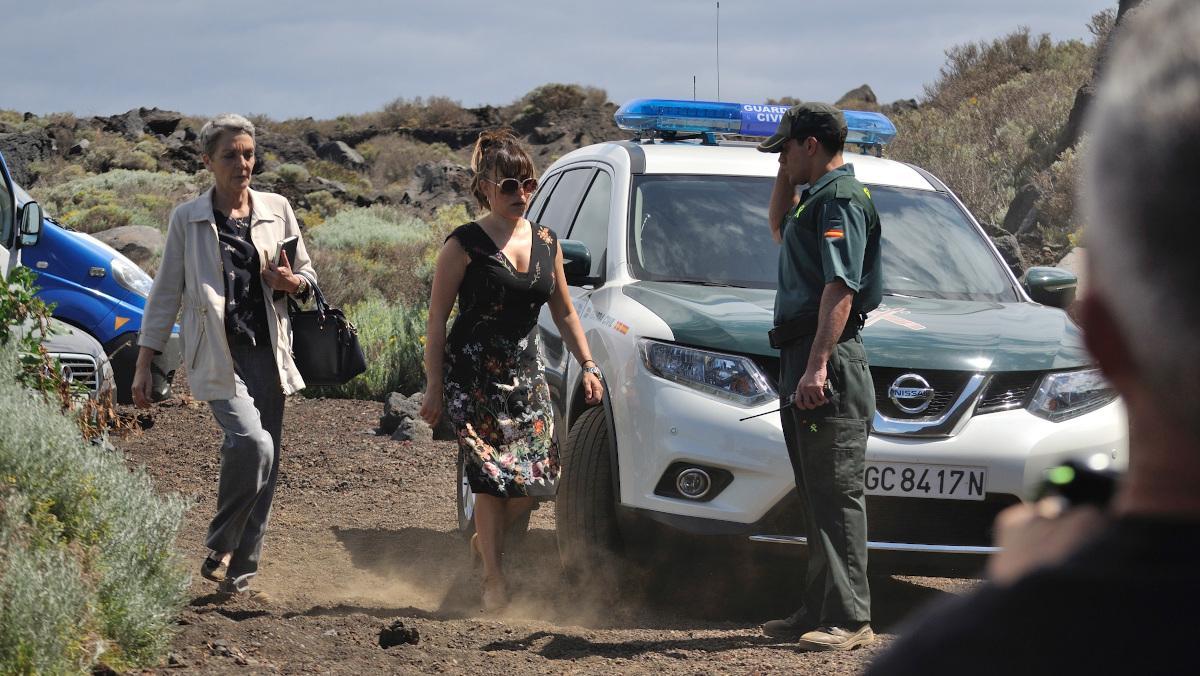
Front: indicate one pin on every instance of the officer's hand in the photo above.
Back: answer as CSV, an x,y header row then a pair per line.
x,y
1031,536
810,391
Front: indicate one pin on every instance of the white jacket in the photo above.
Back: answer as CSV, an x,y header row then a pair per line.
x,y
191,276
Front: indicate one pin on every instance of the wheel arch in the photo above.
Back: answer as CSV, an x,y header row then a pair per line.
x,y
577,406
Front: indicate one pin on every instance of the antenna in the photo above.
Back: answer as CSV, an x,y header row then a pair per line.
x,y
693,87
718,51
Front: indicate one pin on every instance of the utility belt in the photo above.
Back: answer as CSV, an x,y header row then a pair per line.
x,y
793,330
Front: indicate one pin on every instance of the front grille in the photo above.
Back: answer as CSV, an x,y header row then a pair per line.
x,y
79,368
946,387
1008,390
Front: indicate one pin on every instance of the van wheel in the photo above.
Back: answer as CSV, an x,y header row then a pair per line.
x,y
466,508
589,543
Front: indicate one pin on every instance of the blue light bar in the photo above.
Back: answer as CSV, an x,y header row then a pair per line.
x,y
745,119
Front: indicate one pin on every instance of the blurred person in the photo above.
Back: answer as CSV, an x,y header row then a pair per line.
x,y
218,266
1084,590
829,279
487,375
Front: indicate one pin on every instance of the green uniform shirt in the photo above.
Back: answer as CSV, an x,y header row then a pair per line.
x,y
832,234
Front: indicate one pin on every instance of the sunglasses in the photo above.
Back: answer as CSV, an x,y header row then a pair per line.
x,y
509,186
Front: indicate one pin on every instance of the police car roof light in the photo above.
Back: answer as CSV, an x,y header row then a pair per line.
x,y
665,116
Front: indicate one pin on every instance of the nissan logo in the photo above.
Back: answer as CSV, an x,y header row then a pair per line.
x,y
911,393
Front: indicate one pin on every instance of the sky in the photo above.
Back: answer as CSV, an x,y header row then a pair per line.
x,y
304,58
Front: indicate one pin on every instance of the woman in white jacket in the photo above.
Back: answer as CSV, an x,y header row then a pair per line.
x,y
219,265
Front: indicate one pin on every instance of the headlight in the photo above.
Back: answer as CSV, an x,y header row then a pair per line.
x,y
132,277
1062,396
724,376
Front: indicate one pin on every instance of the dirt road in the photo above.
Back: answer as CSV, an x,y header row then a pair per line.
x,y
363,535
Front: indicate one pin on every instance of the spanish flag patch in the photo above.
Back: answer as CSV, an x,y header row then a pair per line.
x,y
835,233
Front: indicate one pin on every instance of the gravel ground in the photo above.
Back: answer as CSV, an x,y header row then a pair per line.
x,y
363,536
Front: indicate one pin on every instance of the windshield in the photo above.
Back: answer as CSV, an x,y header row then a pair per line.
x,y
713,230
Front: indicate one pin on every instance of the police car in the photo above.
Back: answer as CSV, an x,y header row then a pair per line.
x,y
981,381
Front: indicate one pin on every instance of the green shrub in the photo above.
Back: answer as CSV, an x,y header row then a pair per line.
x,y
333,171
88,570
1056,206
437,111
555,97
392,337
98,218
393,158
148,197
293,173
366,227
993,115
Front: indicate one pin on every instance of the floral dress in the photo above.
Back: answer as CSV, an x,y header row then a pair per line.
x,y
495,387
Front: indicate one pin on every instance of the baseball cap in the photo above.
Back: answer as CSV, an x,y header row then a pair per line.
x,y
806,118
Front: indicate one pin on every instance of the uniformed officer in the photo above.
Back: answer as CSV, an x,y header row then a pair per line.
x,y
829,278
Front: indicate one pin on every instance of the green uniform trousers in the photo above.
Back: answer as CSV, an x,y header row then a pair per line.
x,y
827,447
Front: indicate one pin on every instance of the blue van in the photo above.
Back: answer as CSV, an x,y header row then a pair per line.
x,y
95,288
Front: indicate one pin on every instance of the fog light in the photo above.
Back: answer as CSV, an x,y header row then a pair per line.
x,y
693,483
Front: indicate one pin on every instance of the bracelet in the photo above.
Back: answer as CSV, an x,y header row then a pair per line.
x,y
585,362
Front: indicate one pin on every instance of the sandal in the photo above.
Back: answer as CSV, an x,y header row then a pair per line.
x,y
214,568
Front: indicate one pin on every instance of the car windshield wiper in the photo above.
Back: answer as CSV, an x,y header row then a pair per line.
x,y
700,282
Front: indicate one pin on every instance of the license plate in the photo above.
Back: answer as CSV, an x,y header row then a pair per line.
x,y
911,480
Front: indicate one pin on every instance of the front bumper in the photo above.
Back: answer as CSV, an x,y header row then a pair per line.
x,y
760,505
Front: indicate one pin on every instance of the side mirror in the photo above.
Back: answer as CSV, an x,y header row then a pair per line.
x,y
1051,286
31,224
577,263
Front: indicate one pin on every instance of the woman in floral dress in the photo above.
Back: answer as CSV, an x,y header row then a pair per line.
x,y
502,269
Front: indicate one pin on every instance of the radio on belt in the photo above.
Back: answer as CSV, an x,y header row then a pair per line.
x,y
667,117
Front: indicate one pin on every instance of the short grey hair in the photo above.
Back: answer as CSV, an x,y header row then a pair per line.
x,y
210,133
1142,169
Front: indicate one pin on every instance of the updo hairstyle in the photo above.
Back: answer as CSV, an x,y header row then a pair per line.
x,y
498,155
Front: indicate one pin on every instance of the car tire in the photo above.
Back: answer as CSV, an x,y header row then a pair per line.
x,y
589,541
466,508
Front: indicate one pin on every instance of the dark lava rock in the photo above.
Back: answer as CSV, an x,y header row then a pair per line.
x,y
288,149
129,124
397,634
338,151
160,122
21,149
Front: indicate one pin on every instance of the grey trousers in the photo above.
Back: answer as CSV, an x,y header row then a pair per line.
x,y
827,446
253,422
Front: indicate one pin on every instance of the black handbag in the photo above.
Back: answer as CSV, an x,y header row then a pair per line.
x,y
324,343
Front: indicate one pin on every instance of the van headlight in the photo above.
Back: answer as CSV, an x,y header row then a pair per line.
x,y
131,277
728,377
1065,395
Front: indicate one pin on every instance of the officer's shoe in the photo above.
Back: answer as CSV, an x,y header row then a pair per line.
x,y
791,628
836,638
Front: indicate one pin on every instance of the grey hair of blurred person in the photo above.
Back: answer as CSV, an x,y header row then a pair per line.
x,y
1142,168
231,123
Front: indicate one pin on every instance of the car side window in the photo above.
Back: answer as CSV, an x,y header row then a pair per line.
x,y
6,215
591,224
534,212
561,206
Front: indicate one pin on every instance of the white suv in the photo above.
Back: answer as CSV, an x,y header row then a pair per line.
x,y
673,270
